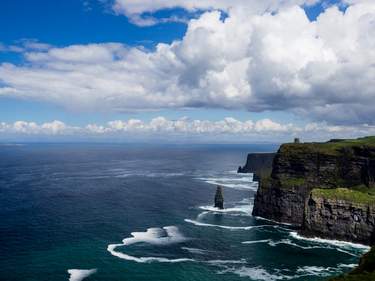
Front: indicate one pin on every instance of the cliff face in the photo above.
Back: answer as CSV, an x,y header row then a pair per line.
x,y
299,168
256,162
339,218
285,205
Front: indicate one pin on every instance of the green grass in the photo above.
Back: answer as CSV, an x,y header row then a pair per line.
x,y
292,182
360,195
333,148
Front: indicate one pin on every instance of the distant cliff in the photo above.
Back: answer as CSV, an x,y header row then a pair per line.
x,y
258,163
328,189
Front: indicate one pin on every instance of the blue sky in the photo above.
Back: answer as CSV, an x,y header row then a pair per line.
x,y
93,24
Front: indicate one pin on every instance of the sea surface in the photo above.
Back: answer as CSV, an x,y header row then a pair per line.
x,y
144,212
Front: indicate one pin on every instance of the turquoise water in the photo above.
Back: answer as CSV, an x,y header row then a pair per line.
x,y
132,212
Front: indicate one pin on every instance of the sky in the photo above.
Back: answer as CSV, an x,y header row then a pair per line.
x,y
186,71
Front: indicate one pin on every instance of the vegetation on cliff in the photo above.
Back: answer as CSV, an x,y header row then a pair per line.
x,y
332,147
358,195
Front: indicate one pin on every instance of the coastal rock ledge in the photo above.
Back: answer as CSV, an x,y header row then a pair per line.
x,y
327,189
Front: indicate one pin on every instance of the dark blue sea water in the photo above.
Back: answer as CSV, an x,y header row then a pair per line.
x,y
138,212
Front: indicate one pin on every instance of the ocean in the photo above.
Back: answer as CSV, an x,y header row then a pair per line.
x,y
144,212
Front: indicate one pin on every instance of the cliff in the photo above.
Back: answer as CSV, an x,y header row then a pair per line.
x,y
325,188
342,214
258,163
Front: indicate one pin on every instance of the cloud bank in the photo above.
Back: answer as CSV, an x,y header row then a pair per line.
x,y
254,59
184,128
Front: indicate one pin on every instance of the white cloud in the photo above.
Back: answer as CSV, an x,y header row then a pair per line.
x,y
136,10
25,45
248,61
31,128
228,129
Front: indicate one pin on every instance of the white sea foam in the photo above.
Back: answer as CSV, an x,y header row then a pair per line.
x,y
321,271
198,223
232,180
239,186
340,246
290,243
256,273
196,251
80,274
149,174
337,243
259,273
155,236
316,271
350,265
221,262
245,209
257,241
274,243
273,221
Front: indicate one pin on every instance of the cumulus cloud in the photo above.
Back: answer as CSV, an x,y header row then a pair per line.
x,y
31,128
249,60
200,130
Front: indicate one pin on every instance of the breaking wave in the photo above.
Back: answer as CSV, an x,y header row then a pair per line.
x,y
336,243
80,274
243,209
261,274
155,236
232,180
198,223
256,273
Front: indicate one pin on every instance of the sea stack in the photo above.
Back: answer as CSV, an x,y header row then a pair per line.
x,y
219,199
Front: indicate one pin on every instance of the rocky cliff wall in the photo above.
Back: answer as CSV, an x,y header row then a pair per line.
x,y
256,162
281,204
339,218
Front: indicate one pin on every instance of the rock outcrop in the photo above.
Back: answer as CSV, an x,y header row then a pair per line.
x,y
219,198
294,192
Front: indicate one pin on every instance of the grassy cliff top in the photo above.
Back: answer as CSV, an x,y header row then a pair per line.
x,y
359,195
330,147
